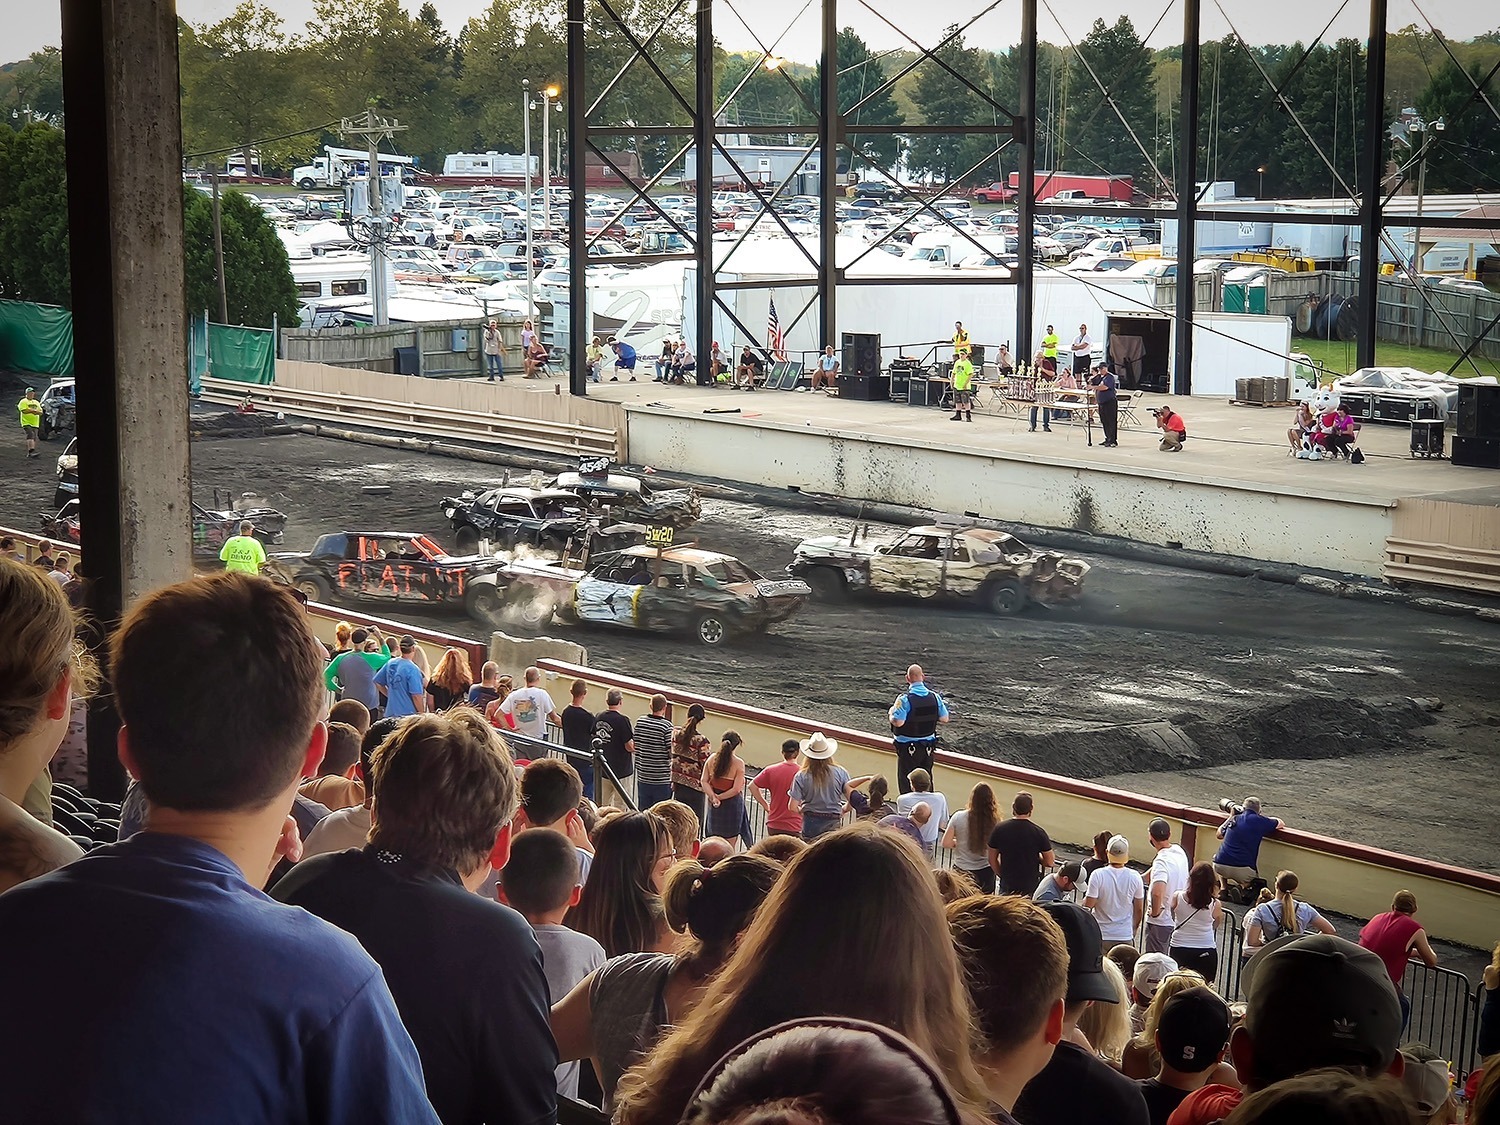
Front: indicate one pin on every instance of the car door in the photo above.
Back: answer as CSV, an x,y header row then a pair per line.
x,y
912,565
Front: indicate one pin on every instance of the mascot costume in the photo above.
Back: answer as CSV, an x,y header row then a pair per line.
x,y
1316,446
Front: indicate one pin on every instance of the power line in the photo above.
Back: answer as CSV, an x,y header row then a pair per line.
x,y
327,126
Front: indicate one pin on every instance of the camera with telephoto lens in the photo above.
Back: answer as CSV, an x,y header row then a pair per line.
x,y
1226,805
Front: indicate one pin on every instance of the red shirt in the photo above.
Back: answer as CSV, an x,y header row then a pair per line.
x,y
777,781
1388,936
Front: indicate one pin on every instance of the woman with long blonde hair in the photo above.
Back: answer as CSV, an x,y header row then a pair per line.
x,y
820,791
1282,916
856,905
451,680
43,667
968,834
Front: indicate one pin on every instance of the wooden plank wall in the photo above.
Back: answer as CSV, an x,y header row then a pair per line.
x,y
1447,523
533,399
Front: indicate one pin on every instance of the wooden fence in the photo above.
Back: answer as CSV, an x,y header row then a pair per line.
x,y
1440,543
374,348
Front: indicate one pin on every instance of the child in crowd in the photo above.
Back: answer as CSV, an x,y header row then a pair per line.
x,y
542,881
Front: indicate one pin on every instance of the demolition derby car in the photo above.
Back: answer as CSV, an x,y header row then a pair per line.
x,y
630,498
543,518
383,566
660,590
992,569
210,528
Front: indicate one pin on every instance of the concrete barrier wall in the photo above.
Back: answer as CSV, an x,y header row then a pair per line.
x,y
1457,904
1228,517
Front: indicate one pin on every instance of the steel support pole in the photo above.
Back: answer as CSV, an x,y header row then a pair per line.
x,y
1371,220
830,132
1026,138
1187,198
124,164
530,215
705,132
580,326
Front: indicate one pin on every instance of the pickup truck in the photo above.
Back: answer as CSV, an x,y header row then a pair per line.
x,y
993,193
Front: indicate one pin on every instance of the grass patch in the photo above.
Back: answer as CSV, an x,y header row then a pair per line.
x,y
1339,357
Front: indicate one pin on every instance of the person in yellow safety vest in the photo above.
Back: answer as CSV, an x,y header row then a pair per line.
x,y
963,382
1049,346
243,552
31,419
961,345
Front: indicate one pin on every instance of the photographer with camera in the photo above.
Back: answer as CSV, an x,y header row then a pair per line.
x,y
1173,429
1242,833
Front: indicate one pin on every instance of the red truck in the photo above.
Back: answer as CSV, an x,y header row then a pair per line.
x,y
1050,184
993,193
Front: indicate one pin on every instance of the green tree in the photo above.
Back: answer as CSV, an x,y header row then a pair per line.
x,y
257,276
1099,126
1465,156
944,100
1328,96
34,216
860,74
239,83
32,89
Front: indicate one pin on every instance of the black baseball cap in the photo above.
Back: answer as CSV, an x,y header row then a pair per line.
x,y
1086,979
1319,1000
1193,1029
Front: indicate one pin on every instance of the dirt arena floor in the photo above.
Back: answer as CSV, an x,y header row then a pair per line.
x,y
1187,685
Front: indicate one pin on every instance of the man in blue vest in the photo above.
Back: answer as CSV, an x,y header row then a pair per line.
x,y
914,721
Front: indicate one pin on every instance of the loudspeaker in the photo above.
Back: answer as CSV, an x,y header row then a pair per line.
x,y
1427,437
1478,411
873,388
861,353
976,356
1476,453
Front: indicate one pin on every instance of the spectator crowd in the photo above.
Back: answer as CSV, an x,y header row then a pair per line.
x,y
402,908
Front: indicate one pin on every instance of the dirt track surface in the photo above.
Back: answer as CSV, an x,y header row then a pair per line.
x,y
1186,685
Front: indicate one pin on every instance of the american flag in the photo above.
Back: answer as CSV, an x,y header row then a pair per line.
x,y
775,341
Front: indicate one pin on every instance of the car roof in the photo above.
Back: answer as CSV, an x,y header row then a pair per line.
x,y
525,493
693,556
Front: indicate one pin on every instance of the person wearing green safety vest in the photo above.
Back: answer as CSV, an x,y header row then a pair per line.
x,y
243,552
31,419
1049,346
963,397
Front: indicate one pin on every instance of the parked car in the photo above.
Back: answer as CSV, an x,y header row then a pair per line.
x,y
987,569
67,475
383,566
210,528
511,517
993,193
58,409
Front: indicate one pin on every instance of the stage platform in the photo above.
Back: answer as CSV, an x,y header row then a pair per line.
x,y
1233,488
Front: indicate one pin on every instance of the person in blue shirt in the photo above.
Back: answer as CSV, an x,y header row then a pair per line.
x,y
188,994
1242,833
914,721
400,681
624,359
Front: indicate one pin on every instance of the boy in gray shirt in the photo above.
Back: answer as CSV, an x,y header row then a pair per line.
x,y
541,882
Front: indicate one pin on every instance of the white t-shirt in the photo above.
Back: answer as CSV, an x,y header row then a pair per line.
x,y
1195,925
1170,867
1117,890
567,957
962,856
530,707
339,831
934,801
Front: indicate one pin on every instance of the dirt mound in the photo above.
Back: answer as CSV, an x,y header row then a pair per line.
x,y
230,423
1313,727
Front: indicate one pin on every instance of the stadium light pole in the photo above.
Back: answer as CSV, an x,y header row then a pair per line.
x,y
526,133
548,95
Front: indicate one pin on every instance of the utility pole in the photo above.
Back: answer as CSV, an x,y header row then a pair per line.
x,y
374,229
547,95
219,251
526,132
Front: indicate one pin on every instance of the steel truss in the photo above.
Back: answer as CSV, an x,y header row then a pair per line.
x,y
829,128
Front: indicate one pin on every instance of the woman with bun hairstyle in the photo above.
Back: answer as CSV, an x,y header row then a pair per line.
x,y
724,786
615,1014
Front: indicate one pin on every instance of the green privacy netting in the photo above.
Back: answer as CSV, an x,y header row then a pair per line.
x,y
36,338
197,353
247,355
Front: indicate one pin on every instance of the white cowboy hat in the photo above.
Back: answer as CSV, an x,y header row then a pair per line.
x,y
819,747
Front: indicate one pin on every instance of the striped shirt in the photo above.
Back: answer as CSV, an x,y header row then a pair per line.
x,y
653,750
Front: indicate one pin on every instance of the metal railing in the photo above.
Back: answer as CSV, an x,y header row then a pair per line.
x,y
1444,1013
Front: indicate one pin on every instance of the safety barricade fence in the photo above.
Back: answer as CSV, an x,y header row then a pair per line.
x,y
1444,1014
1231,940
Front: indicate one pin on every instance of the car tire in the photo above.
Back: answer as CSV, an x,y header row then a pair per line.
x,y
529,607
1003,597
305,184
466,540
482,602
711,629
828,585
315,586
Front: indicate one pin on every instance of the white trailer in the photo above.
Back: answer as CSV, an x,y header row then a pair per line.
x,y
490,163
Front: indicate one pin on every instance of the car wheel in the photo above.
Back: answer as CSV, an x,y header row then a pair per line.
x,y
711,629
827,584
482,602
314,586
43,430
305,184
530,607
466,540
1004,597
